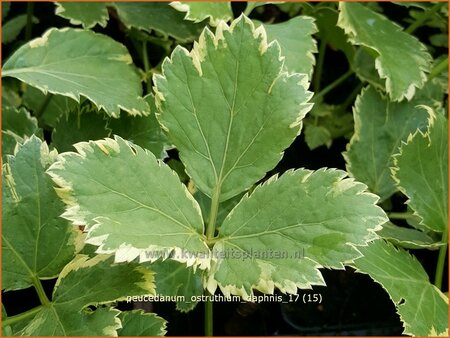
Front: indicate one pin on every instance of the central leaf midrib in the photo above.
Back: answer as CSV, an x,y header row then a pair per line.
x,y
187,227
31,273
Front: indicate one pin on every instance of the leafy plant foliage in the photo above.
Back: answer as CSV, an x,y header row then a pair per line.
x,y
141,157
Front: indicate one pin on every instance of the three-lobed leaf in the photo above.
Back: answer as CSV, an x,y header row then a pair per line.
x,y
228,107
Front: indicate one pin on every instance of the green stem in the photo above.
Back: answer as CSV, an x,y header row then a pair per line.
x,y
441,262
438,69
210,232
43,106
319,66
332,85
424,17
40,291
211,227
21,316
28,27
146,66
400,215
208,316
250,7
348,101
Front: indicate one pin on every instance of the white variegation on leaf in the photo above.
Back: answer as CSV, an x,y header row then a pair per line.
x,y
296,43
132,204
173,279
291,226
380,127
199,11
229,108
421,172
78,287
17,125
408,238
36,243
159,17
138,323
402,59
422,307
74,62
87,14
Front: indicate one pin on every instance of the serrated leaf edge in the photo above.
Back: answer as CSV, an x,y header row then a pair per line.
x,y
126,58
197,56
86,262
411,137
410,91
399,302
59,10
125,253
185,7
163,329
265,283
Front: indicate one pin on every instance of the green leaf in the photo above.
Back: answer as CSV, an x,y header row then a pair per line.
x,y
159,17
74,62
316,136
138,323
87,14
18,121
36,242
422,307
289,227
364,67
132,204
296,43
12,28
50,108
82,124
17,124
407,237
6,330
326,21
380,126
10,96
5,9
401,59
224,208
421,172
199,11
78,287
175,279
217,103
144,131
335,119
